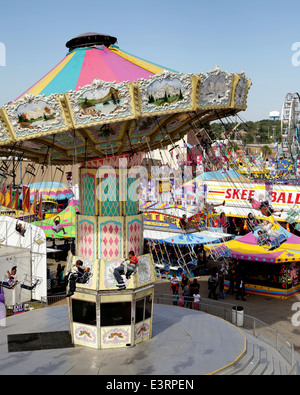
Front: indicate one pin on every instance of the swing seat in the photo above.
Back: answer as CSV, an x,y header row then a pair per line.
x,y
5,284
31,287
275,243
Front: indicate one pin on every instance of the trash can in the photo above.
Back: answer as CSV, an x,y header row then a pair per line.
x,y
238,315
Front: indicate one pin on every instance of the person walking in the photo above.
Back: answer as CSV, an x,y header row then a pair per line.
x,y
221,287
240,288
213,285
187,294
174,283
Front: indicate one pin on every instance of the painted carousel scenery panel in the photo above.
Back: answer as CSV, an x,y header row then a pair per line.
x,y
145,273
4,137
35,115
107,132
100,101
215,88
241,91
166,92
107,278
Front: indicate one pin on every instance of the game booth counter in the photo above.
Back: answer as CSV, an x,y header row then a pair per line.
x,y
156,220
267,271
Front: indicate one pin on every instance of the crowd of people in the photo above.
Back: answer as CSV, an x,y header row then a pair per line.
x,y
235,274
186,291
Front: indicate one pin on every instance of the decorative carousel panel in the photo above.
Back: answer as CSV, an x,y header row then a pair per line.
x,y
107,278
108,193
114,337
124,161
241,91
145,273
109,147
85,335
100,102
36,148
131,205
166,92
110,238
107,132
134,235
90,278
6,131
142,330
33,116
65,140
88,188
215,89
87,236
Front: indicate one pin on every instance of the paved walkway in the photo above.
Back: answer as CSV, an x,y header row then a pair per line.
x,y
184,342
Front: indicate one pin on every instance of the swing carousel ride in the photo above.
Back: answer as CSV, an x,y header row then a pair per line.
x,y
104,108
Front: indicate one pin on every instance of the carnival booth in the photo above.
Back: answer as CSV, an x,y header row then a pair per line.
x,y
270,269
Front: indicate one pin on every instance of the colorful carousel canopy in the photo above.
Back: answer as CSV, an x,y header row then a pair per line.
x,y
101,101
55,190
88,60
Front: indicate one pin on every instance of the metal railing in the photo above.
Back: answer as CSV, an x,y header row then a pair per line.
x,y
254,326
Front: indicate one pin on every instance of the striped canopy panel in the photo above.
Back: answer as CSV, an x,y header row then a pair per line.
x,y
81,66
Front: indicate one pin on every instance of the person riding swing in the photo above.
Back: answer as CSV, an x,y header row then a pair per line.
x,y
131,268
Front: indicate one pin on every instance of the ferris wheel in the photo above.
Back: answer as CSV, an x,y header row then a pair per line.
x,y
290,122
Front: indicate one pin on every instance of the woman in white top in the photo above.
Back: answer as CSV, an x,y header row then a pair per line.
x,y
174,283
266,227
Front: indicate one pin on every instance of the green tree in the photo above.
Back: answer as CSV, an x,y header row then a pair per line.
x,y
266,150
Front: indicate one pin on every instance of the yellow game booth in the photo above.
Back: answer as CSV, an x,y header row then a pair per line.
x,y
268,271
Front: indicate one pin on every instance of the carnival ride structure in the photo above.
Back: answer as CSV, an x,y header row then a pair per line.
x,y
67,220
102,107
290,137
28,252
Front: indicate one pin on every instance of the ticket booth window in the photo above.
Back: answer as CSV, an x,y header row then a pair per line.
x,y
143,309
113,314
84,312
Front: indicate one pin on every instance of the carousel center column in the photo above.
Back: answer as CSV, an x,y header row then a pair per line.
x,y
108,227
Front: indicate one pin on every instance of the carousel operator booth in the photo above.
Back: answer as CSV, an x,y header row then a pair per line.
x,y
102,108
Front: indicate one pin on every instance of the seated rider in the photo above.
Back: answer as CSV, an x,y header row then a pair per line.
x,y
264,208
131,267
79,274
263,239
57,227
266,228
184,224
11,277
20,229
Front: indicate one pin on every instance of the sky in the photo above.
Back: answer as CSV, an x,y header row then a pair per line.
x,y
261,37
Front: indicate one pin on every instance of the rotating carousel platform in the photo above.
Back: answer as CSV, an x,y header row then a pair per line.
x,y
184,342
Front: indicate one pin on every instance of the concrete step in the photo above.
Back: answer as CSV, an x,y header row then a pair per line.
x,y
259,359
